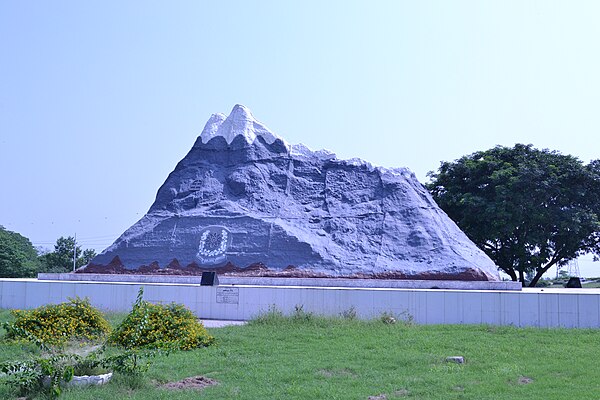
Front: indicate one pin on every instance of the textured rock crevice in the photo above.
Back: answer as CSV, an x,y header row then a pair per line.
x,y
291,210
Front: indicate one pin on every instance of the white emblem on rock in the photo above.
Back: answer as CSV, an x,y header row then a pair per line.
x,y
214,241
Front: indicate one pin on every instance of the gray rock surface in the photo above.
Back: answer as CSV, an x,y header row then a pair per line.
x,y
242,196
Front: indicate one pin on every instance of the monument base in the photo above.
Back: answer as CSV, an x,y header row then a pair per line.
x,y
296,282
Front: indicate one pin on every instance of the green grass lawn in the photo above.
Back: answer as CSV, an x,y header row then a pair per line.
x,y
316,358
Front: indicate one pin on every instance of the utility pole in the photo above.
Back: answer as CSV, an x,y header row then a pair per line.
x,y
75,252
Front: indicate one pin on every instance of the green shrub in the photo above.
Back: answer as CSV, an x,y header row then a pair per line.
x,y
273,316
47,374
349,314
160,326
387,318
543,283
55,324
38,375
301,315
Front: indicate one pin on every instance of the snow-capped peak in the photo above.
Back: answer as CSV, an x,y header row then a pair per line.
x,y
239,122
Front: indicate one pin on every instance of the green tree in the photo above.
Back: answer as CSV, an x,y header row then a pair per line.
x,y
18,257
61,259
528,209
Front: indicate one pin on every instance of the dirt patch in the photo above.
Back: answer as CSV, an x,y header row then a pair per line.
x,y
330,373
524,380
194,382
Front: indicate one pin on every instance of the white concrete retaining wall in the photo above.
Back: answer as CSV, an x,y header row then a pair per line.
x,y
571,308
281,281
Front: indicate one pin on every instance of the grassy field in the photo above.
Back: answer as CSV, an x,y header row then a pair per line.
x,y
314,358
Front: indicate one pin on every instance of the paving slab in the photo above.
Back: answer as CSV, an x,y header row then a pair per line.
x,y
220,323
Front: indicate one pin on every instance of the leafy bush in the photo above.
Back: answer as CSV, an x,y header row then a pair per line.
x,y
49,327
47,374
38,375
160,326
387,318
55,324
273,316
301,315
349,314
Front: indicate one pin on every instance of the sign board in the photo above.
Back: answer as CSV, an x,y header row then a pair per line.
x,y
228,295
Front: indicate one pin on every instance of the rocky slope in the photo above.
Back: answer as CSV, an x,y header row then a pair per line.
x,y
244,197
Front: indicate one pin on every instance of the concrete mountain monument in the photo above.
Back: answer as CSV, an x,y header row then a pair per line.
x,y
244,200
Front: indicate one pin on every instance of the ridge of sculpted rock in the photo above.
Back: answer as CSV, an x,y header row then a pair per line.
x,y
244,200
240,122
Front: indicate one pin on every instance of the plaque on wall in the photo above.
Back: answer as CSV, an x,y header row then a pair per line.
x,y
228,295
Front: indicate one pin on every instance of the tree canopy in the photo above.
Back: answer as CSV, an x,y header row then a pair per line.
x,y
528,209
61,259
18,257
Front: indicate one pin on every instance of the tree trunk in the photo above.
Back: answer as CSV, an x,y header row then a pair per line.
x,y
511,272
508,269
540,272
521,277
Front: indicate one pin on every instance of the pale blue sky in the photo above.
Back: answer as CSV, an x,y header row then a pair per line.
x,y
100,99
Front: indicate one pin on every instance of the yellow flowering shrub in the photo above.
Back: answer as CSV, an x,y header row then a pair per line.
x,y
160,325
56,323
